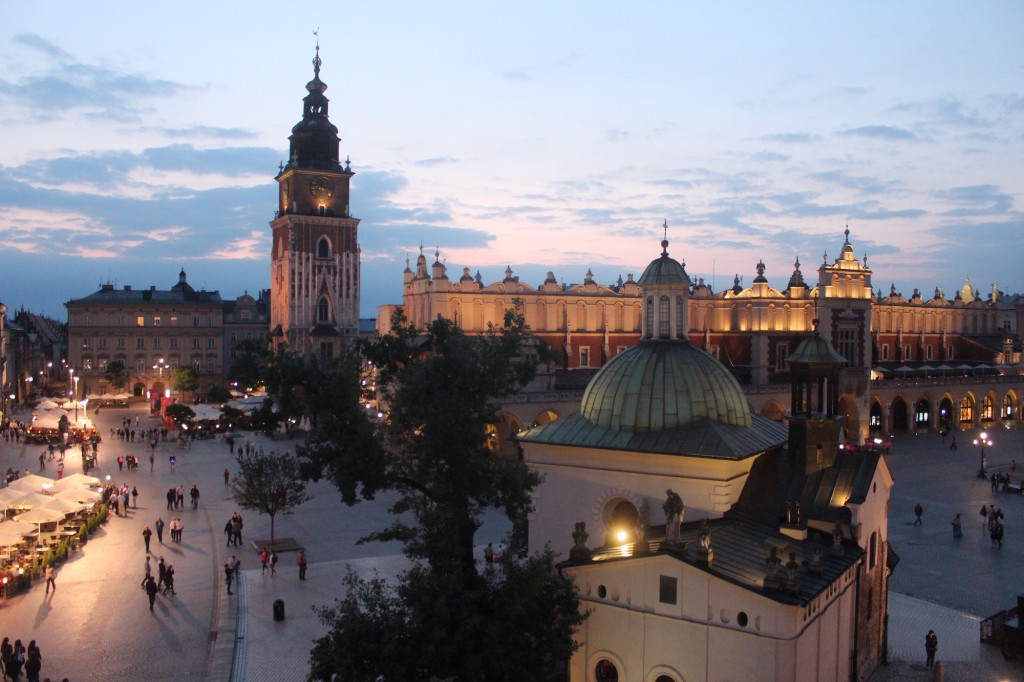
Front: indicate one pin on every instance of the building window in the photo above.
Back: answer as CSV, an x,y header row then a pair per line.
x,y
1006,324
584,357
885,351
848,346
156,320
211,342
174,342
140,342
987,408
664,322
140,366
87,364
101,364
322,310
103,342
103,320
323,248
326,351
928,352
86,343
907,353
667,586
872,549
231,337
195,342
211,364
195,320
197,364
140,321
967,410
605,671
174,320
782,357
174,363
713,351
120,342
120,320
949,352
85,320
211,321
156,342
245,315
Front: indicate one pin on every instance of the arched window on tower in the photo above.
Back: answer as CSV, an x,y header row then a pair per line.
x,y
323,310
680,318
323,248
664,321
650,317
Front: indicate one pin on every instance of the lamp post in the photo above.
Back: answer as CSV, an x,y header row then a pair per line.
x,y
983,440
28,387
75,398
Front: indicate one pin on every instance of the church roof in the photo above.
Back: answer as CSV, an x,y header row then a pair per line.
x,y
741,547
660,385
703,438
664,271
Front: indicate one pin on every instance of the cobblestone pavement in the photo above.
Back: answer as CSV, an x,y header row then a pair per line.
x,y
98,625
945,584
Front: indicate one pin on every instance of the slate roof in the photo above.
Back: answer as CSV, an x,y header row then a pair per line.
x,y
702,438
108,294
741,546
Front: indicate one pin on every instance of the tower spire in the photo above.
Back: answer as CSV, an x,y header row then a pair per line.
x,y
316,59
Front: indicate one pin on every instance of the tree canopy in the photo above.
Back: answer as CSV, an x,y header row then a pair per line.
x,y
117,374
184,379
444,618
268,484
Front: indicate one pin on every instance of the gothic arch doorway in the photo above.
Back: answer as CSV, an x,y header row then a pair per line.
x,y
877,417
922,414
900,415
945,414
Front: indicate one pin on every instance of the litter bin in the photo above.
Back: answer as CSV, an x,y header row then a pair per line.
x,y
278,609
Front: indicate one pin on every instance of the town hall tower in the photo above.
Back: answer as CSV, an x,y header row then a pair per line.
x,y
315,254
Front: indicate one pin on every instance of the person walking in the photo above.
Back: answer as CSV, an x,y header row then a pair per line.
x,y
227,475
160,529
149,574
229,574
918,510
152,461
931,645
161,573
169,580
147,534
984,518
264,557
957,529
229,531
51,577
151,591
997,535
170,498
273,562
135,497
300,559
194,494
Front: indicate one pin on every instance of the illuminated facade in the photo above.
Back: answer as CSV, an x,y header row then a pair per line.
x,y
910,363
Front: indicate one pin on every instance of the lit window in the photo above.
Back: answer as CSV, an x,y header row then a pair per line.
x,y
140,321
584,357
156,320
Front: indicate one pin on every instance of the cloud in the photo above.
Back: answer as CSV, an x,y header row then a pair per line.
x,y
517,76
616,134
791,138
976,200
37,42
209,131
435,161
864,184
769,156
879,132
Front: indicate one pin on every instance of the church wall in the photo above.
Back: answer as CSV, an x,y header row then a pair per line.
x,y
580,484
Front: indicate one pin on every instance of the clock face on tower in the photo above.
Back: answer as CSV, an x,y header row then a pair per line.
x,y
321,188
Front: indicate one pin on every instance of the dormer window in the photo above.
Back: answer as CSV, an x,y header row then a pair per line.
x,y
322,310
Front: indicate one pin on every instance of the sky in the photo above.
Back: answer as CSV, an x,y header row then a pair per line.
x,y
139,139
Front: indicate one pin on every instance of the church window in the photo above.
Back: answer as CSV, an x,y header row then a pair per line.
x,y
885,351
323,247
741,620
605,671
326,351
1007,406
848,346
908,353
322,310
872,550
663,318
680,318
663,678
928,351
667,589
714,352
650,317
584,357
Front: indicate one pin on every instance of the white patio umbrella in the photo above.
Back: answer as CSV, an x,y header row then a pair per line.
x,y
205,412
10,538
47,405
76,480
79,494
36,500
32,483
40,515
16,526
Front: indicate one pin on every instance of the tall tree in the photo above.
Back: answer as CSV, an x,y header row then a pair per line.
x,y
268,484
249,366
184,379
117,374
442,389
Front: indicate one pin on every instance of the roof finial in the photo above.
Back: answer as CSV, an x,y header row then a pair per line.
x,y
316,59
847,233
664,241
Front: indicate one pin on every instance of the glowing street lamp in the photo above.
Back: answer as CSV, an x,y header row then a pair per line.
x,y
982,441
75,398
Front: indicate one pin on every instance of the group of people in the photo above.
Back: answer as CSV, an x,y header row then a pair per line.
x,y
13,431
162,584
131,460
993,519
176,496
15,659
269,560
118,497
233,529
